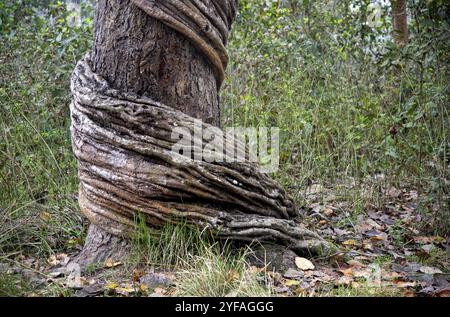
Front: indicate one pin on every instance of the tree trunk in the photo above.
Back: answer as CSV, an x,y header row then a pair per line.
x,y
136,53
156,65
400,22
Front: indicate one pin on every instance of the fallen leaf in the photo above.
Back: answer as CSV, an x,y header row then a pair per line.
x,y
137,274
291,273
159,290
45,216
412,195
367,245
355,263
340,232
362,273
347,272
430,270
355,284
111,285
427,248
55,274
143,288
428,240
233,275
389,276
125,290
304,264
52,260
76,282
394,192
409,293
290,283
351,242
254,269
110,263
63,258
374,224
328,212
378,236
403,284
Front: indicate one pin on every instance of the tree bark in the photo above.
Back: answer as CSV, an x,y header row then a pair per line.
x,y
400,22
138,54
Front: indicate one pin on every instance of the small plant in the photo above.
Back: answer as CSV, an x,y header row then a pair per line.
x,y
165,247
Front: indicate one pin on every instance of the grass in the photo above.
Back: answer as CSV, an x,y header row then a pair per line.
x,y
205,268
13,286
167,246
218,272
363,290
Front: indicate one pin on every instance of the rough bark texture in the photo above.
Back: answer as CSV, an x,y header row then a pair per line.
x,y
400,22
147,74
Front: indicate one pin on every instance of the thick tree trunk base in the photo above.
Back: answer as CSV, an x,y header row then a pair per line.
x,y
101,246
148,76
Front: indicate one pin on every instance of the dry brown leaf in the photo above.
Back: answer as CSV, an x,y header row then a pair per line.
x,y
328,212
137,274
63,258
350,242
362,273
394,192
125,290
382,236
403,284
347,272
45,216
430,270
110,263
254,269
143,288
355,263
52,260
389,276
367,245
304,264
159,290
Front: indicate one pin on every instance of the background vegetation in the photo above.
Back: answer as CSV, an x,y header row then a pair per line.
x,y
357,114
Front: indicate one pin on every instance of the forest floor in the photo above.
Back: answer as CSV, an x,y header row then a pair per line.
x,y
384,252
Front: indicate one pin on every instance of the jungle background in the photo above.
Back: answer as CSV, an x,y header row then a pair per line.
x,y
364,151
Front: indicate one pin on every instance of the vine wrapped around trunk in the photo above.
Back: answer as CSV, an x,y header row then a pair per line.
x,y
124,145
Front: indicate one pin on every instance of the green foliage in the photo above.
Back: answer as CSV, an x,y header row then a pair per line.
x,y
166,247
11,286
37,169
347,101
